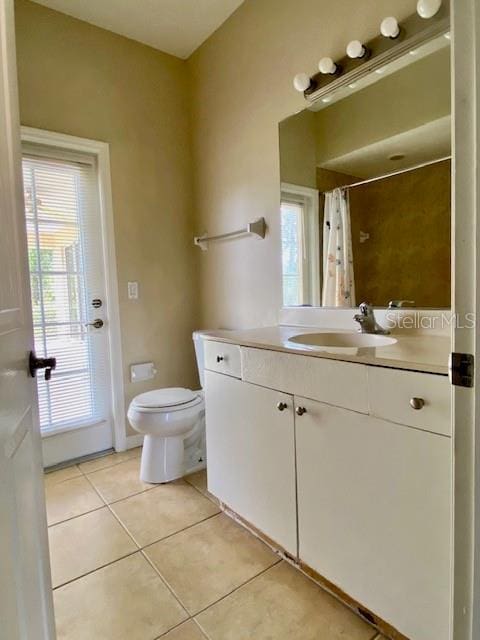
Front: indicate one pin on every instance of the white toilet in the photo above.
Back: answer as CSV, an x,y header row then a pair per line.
x,y
173,423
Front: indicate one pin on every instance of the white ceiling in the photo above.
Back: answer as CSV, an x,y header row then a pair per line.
x,y
174,26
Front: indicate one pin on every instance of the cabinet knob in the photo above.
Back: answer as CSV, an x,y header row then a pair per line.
x,y
300,411
220,359
281,406
417,403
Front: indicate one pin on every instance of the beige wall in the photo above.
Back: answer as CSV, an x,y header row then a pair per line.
x,y
298,150
81,80
242,88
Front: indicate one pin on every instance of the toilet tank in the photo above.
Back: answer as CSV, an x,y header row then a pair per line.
x,y
198,343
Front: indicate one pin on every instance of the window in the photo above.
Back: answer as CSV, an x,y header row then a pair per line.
x,y
299,226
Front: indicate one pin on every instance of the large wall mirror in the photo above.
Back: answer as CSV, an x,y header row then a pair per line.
x,y
366,189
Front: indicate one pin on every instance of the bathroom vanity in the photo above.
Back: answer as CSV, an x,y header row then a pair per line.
x,y
336,446
341,458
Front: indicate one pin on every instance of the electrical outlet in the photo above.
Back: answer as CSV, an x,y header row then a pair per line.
x,y
133,290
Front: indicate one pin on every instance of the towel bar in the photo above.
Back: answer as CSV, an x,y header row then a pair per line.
x,y
256,228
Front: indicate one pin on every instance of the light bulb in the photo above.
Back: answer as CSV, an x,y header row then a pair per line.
x,y
301,82
356,49
327,66
428,8
389,28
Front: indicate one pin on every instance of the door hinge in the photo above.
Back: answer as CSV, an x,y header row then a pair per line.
x,y
461,369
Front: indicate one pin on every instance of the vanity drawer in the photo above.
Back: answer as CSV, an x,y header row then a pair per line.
x,y
391,393
223,358
342,384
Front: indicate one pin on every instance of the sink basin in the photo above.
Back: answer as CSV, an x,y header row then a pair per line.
x,y
343,340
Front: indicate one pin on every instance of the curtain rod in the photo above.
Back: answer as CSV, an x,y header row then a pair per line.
x,y
390,175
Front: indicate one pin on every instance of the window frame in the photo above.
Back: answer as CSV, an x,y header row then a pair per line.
x,y
310,268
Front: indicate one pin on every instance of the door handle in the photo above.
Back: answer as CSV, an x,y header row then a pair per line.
x,y
35,363
300,411
97,323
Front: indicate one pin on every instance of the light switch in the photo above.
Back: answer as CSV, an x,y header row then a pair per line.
x,y
133,290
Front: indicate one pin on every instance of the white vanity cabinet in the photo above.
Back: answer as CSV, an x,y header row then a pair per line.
x,y
374,514
251,454
340,465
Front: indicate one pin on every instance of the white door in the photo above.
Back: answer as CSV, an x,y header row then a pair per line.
x,y
67,281
251,454
26,610
466,305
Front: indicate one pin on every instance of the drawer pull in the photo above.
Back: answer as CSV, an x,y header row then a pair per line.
x,y
300,411
220,359
417,403
281,406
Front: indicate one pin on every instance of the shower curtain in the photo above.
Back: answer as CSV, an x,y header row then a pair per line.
x,y
338,281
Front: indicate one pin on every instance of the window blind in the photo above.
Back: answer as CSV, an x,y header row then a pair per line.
x,y
66,274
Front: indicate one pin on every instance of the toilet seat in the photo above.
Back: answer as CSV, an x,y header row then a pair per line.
x,y
166,400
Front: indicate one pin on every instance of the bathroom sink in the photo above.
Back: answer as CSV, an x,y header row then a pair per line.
x,y
343,340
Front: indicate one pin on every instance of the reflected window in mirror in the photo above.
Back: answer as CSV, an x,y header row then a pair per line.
x,y
385,142
299,221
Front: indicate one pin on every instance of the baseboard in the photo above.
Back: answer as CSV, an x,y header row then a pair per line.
x,y
134,441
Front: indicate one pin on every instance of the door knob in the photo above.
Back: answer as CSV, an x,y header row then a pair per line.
x,y
417,403
300,411
220,359
97,323
281,406
35,363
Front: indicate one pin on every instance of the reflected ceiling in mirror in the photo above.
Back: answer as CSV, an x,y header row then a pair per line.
x,y
365,193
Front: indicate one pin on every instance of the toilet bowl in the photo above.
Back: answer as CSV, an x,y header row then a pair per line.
x,y
172,421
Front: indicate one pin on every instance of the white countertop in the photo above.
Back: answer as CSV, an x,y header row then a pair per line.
x,y
414,351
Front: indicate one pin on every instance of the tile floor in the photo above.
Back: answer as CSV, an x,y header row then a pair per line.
x,y
133,561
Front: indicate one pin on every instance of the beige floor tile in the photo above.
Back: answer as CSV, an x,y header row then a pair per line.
x,y
69,499
284,605
199,481
186,631
109,461
206,562
68,473
162,511
86,543
123,601
120,481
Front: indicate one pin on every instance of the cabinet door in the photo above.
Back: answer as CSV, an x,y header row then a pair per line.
x,y
251,455
374,509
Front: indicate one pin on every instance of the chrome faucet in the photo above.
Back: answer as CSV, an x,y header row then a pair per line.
x,y
367,322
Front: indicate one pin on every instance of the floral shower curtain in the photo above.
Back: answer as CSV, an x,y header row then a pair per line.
x,y
338,281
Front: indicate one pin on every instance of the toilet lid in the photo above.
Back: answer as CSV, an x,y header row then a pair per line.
x,y
170,397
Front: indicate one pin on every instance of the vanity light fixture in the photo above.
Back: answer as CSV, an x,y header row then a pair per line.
x,y
328,67
390,28
356,49
428,8
302,82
